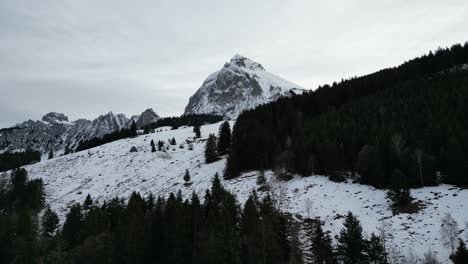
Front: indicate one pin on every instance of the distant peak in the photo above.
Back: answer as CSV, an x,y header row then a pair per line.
x,y
241,61
54,117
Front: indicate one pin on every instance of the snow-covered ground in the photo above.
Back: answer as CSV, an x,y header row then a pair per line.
x,y
112,170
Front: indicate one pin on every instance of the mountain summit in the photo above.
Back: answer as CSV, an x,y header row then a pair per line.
x,y
240,85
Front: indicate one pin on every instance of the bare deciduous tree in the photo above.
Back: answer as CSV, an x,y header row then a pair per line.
x,y
419,155
430,258
398,144
449,231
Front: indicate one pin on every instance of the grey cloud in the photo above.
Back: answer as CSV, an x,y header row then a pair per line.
x,y
88,57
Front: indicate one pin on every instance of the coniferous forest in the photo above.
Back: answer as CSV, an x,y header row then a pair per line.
x,y
409,119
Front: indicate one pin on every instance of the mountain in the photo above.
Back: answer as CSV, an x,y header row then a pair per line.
x,y
240,85
55,132
111,169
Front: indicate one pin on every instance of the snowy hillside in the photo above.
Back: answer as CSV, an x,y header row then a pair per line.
x,y
240,85
112,170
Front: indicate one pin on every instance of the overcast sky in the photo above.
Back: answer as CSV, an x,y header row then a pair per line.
x,y
88,57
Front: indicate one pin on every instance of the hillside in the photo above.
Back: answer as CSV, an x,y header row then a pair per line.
x,y
112,170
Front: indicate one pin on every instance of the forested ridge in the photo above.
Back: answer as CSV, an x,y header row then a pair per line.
x,y
410,119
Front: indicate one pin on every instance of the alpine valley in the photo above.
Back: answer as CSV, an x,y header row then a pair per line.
x,y
256,170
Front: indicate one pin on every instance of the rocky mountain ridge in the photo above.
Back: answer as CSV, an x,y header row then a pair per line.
x,y
54,132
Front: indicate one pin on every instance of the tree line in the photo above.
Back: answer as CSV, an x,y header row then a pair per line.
x,y
172,229
408,120
174,122
12,160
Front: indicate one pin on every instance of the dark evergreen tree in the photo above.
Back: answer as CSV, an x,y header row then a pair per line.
x,y
49,223
351,244
187,176
153,147
375,250
88,202
461,254
173,141
72,226
224,138
160,145
196,130
210,149
321,250
51,154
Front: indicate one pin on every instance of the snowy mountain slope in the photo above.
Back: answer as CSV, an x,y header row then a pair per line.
x,y
240,85
55,131
111,170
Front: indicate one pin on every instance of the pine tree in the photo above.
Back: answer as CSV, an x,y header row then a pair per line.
x,y
88,202
210,149
173,141
321,250
51,154
133,129
160,145
461,254
196,130
72,226
187,176
49,223
375,250
351,244
153,147
224,138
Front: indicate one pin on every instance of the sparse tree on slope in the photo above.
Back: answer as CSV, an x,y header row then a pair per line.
x,y
449,231
351,244
196,130
187,176
153,147
210,149
224,140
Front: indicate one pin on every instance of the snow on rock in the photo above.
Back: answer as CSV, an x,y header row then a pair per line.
x,y
240,85
111,170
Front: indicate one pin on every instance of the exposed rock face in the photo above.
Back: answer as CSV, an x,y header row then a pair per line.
x,y
54,117
147,117
240,85
54,131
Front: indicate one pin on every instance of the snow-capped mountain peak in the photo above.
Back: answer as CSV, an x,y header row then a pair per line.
x,y
241,61
240,85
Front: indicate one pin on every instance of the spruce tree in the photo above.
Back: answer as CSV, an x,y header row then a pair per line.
x,y
321,250
49,223
72,227
210,149
196,130
461,254
375,250
351,244
88,202
153,147
224,138
187,176
173,141
51,154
